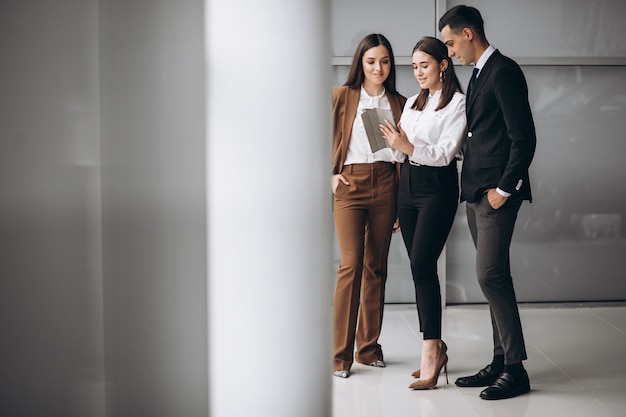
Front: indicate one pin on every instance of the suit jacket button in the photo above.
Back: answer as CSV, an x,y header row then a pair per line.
x,y
469,134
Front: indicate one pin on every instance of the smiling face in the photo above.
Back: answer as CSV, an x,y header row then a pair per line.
x,y
376,67
459,44
426,70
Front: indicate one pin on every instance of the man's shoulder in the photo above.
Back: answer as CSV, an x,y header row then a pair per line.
x,y
502,69
499,60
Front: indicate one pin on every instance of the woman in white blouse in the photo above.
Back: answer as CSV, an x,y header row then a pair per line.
x,y
364,183
430,133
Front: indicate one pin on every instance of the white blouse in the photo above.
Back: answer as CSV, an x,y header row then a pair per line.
x,y
359,150
436,135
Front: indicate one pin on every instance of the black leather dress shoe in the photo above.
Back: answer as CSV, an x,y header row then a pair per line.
x,y
483,378
507,386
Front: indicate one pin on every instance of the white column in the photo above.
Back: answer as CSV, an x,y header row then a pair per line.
x,y
269,208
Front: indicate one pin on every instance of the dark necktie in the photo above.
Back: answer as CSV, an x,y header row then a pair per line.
x,y
472,82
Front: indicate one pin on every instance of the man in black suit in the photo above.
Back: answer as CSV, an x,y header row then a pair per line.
x,y
499,148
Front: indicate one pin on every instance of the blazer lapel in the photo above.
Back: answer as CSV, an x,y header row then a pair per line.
x,y
396,107
352,103
482,77
352,97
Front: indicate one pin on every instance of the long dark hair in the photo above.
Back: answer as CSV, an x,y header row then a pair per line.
x,y
356,76
439,51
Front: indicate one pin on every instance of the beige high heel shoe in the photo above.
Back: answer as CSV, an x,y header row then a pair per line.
x,y
442,362
444,349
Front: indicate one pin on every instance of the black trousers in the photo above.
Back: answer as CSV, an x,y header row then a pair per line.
x,y
427,202
492,231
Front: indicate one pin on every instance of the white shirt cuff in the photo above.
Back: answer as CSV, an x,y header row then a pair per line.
x,y
503,193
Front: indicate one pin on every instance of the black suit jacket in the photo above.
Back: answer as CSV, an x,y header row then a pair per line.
x,y
501,135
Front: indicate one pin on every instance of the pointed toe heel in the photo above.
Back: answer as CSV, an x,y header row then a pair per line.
x,y
431,383
444,349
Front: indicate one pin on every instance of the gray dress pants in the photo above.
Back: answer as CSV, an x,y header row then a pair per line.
x,y
492,231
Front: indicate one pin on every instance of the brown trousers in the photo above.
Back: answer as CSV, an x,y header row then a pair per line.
x,y
364,214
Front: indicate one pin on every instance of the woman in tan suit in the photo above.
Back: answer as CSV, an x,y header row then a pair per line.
x,y
364,184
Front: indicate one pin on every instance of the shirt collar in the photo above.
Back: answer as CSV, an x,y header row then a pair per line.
x,y
484,57
435,94
364,93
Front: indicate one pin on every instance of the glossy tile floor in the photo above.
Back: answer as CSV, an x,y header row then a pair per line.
x,y
576,363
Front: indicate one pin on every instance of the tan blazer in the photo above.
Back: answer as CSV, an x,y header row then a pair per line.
x,y
345,104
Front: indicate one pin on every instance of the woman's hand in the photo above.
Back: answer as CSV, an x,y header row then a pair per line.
x,y
334,181
397,138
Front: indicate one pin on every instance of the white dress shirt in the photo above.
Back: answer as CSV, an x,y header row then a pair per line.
x,y
359,150
483,58
436,135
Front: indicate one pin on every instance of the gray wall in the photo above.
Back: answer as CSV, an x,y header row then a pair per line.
x,y
102,201
51,353
154,207
569,242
